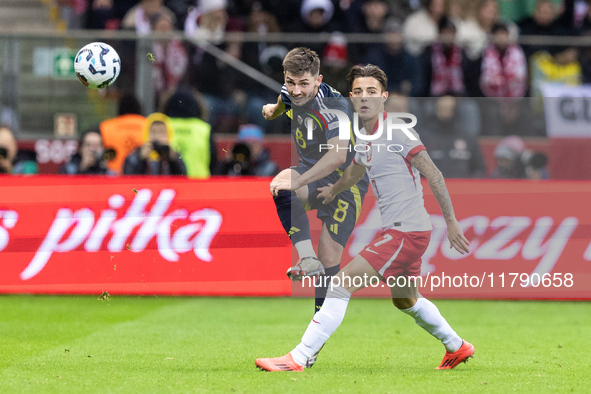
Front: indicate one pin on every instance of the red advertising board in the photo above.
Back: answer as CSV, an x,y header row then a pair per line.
x,y
528,240
142,235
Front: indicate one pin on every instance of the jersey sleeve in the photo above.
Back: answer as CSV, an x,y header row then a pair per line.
x,y
332,122
285,97
400,136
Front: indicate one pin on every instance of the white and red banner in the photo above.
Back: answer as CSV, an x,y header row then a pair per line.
x,y
141,235
567,110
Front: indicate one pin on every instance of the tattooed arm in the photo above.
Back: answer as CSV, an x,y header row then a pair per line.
x,y
422,162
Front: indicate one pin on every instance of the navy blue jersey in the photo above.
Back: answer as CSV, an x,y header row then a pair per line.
x,y
325,127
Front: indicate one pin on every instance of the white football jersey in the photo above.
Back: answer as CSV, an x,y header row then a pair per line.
x,y
395,183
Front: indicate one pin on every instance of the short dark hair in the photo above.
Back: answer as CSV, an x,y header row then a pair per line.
x,y
301,60
157,123
93,129
499,26
446,23
369,70
6,126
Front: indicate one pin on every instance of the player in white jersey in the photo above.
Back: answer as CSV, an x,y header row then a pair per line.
x,y
394,167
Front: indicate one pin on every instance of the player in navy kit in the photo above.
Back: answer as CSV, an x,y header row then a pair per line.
x,y
396,252
295,189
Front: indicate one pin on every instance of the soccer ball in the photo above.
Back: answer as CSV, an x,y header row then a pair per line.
x,y
97,65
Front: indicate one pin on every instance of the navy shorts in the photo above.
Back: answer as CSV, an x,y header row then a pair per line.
x,y
340,215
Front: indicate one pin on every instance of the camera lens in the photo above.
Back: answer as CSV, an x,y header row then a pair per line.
x,y
162,149
109,154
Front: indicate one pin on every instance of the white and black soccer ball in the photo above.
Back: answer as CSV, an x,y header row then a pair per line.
x,y
97,65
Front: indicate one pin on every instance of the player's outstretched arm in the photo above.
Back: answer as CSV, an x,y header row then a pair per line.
x,y
350,177
422,162
335,157
271,111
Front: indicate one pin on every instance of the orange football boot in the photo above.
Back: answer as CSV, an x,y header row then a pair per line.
x,y
285,363
451,360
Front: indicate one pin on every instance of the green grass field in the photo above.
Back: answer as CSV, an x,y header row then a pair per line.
x,y
149,344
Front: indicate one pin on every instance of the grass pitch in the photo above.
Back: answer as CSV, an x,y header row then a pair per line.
x,y
148,344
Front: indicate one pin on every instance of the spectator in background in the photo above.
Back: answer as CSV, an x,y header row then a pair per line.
x,y
123,133
334,66
420,28
90,158
107,14
402,9
192,137
155,156
208,21
237,162
547,22
249,156
397,102
170,56
138,18
223,86
504,115
316,17
8,113
474,32
232,97
535,165
403,69
11,159
561,65
585,30
457,10
542,21
508,157
181,9
262,55
453,150
585,24
443,63
8,150
372,19
503,69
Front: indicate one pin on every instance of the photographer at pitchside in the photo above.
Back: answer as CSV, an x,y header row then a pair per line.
x,y
155,156
91,158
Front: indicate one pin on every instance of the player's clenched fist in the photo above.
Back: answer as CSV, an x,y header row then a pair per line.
x,y
269,111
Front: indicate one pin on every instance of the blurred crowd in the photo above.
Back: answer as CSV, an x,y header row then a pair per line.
x,y
179,142
440,56
176,142
465,48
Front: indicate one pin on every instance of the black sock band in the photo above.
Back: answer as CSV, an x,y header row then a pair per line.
x,y
320,291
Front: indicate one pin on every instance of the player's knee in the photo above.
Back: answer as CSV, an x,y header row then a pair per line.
x,y
329,258
404,303
284,175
